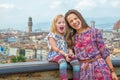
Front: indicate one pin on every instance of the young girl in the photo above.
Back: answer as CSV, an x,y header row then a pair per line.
x,y
59,51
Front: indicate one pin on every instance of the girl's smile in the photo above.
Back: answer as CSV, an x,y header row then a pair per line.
x,y
60,25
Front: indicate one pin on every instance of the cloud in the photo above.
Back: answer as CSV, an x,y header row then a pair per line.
x,y
7,6
115,3
86,4
55,4
102,2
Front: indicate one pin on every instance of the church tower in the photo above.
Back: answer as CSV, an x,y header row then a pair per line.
x,y
30,24
93,24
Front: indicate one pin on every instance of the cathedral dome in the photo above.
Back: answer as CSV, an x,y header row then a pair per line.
x,y
117,25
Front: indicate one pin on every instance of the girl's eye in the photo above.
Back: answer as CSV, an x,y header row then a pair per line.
x,y
59,22
63,22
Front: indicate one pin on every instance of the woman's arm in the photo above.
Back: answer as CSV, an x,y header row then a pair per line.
x,y
109,63
105,53
101,45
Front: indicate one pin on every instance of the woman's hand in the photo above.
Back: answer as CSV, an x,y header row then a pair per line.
x,y
114,76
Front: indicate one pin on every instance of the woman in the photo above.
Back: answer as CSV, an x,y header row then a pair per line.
x,y
90,49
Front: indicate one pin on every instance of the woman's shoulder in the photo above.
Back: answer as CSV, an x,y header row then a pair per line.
x,y
96,31
93,29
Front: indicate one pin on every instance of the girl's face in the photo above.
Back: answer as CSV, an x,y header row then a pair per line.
x,y
74,21
61,25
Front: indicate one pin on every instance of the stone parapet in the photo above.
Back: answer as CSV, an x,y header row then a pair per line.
x,y
39,70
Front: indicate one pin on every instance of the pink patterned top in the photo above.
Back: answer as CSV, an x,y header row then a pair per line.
x,y
88,45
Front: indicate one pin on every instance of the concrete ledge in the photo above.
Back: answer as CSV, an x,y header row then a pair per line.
x,y
28,67
40,70
116,62
40,66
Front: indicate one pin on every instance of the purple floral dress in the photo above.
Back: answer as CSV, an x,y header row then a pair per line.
x,y
88,45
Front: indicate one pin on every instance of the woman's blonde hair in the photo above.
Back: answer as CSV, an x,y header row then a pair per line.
x,y
53,28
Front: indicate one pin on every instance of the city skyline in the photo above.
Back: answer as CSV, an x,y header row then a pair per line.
x,y
15,13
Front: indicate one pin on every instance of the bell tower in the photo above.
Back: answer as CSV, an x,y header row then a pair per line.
x,y
30,24
93,24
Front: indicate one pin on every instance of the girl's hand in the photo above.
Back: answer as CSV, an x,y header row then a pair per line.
x,y
67,58
71,55
114,76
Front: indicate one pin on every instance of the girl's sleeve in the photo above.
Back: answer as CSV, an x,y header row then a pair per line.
x,y
50,35
101,45
46,39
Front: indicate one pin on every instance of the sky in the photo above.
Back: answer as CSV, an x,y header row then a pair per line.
x,y
15,13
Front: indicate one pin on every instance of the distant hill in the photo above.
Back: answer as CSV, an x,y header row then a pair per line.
x,y
102,23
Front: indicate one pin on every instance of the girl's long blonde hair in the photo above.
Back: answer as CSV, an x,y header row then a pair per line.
x,y
53,28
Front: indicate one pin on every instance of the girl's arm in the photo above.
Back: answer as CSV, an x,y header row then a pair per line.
x,y
54,46
70,51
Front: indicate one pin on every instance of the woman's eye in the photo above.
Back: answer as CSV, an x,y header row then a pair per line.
x,y
71,21
75,18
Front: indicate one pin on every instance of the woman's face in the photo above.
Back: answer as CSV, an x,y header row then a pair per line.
x,y
74,21
60,25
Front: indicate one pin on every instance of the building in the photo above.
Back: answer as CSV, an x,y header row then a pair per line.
x,y
117,26
30,24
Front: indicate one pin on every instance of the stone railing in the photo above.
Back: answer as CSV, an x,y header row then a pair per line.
x,y
40,70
